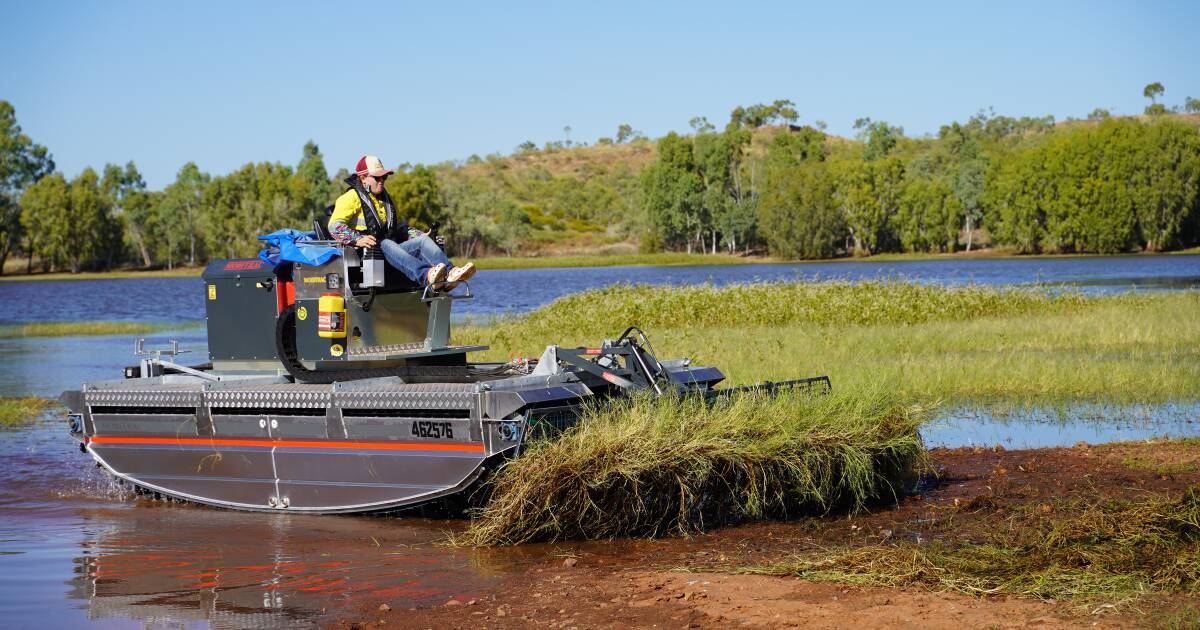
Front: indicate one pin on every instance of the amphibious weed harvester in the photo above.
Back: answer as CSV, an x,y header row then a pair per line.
x,y
335,388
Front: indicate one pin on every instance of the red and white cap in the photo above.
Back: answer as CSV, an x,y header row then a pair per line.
x,y
371,165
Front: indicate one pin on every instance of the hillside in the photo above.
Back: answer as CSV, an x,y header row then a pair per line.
x,y
582,199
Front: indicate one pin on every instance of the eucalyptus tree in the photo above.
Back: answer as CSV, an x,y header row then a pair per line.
x,y
314,191
22,162
672,193
180,212
44,209
126,191
929,216
1152,92
1165,185
799,217
71,221
416,196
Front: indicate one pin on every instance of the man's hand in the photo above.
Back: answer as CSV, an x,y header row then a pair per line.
x,y
365,241
414,233
439,239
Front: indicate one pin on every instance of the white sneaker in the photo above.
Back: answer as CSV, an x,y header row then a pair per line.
x,y
436,275
458,274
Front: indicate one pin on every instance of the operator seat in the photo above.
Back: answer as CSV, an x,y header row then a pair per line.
x,y
321,225
394,279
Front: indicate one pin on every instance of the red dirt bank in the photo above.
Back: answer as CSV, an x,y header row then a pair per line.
x,y
687,583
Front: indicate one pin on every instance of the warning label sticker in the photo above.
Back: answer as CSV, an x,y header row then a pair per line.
x,y
212,291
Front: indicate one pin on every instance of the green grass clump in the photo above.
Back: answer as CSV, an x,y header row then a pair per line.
x,y
609,310
966,345
613,260
16,411
1116,549
70,329
1136,349
783,304
651,467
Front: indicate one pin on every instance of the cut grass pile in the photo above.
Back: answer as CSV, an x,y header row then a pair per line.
x,y
963,345
17,411
70,329
1115,549
651,467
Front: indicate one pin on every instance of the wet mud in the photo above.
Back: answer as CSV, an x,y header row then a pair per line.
x,y
695,582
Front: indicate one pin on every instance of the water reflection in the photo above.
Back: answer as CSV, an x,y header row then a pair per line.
x,y
76,547
233,569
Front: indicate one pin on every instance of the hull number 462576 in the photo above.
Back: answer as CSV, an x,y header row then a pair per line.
x,y
429,429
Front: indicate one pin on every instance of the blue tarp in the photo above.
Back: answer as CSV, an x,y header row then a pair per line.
x,y
289,246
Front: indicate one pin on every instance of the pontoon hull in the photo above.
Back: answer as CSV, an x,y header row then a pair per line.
x,y
360,446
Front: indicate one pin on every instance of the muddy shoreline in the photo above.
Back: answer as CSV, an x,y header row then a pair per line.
x,y
695,582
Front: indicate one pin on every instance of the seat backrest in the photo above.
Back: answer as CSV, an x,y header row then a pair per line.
x,y
321,225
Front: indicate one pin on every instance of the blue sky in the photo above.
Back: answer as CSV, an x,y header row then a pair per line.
x,y
223,83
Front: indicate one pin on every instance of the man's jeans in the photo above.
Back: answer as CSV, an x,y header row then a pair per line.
x,y
414,257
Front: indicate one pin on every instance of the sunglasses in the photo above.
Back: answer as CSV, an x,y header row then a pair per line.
x,y
381,179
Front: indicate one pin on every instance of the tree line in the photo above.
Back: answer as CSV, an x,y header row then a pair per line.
x,y
761,183
1103,185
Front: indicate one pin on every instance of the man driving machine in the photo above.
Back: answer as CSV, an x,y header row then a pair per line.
x,y
364,216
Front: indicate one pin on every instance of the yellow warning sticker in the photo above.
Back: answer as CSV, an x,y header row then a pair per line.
x,y
316,280
212,291
336,349
301,313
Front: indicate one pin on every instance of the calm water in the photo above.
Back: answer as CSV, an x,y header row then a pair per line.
x,y
75,549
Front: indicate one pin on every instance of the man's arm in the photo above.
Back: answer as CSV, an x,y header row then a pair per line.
x,y
345,210
343,232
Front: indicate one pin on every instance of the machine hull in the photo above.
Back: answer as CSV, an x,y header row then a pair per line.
x,y
267,444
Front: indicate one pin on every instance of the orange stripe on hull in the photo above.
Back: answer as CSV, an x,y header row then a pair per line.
x,y
379,446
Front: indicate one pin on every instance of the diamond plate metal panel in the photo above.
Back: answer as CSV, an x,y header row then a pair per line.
x,y
441,398
269,398
143,398
394,348
399,396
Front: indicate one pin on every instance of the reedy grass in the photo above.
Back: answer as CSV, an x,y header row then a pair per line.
x,y
612,260
1120,351
16,411
69,329
670,466
1118,549
967,345
780,304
